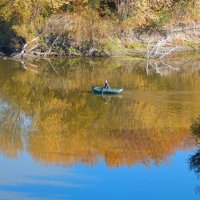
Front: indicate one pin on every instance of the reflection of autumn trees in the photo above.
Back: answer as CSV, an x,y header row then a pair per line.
x,y
66,124
119,140
25,100
10,143
194,160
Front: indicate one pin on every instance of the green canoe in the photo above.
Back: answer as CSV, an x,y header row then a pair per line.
x,y
99,90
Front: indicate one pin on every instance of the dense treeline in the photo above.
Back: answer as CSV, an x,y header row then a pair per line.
x,y
85,26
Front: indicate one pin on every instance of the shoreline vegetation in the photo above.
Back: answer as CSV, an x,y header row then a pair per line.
x,y
139,28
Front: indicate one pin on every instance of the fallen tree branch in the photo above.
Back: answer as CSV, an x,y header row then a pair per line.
x,y
160,49
168,52
50,49
23,52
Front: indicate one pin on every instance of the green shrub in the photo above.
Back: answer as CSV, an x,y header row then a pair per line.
x,y
192,45
73,51
114,47
136,45
163,17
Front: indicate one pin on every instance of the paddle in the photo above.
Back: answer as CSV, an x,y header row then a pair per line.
x,y
102,92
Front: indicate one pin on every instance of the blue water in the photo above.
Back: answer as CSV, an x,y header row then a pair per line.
x,y
58,140
23,178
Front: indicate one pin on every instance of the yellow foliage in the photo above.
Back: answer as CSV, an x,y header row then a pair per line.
x,y
69,125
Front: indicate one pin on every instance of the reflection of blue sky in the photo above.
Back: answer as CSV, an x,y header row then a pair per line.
x,y
31,180
25,179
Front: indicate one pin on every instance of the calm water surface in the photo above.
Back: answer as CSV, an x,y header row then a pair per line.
x,y
59,141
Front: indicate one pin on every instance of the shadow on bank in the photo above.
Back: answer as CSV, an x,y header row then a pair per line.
x,y
9,41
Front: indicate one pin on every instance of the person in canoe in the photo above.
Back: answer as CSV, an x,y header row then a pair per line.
x,y
106,86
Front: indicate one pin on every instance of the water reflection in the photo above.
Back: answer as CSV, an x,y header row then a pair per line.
x,y
24,179
194,160
160,67
50,115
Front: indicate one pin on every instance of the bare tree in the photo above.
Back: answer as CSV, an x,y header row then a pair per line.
x,y
160,49
26,49
30,49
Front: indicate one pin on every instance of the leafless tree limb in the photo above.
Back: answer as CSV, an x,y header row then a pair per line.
x,y
160,49
50,49
24,49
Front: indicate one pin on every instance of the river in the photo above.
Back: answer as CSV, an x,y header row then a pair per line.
x,y
60,141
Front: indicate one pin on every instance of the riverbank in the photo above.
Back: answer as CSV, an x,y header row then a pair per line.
x,y
127,42
98,29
